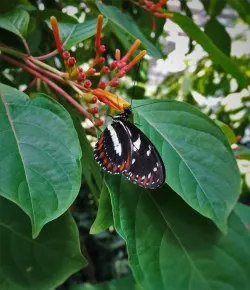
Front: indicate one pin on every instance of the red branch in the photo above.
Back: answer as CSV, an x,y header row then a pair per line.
x,y
50,83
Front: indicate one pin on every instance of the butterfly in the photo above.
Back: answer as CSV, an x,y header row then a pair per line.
x,y
123,149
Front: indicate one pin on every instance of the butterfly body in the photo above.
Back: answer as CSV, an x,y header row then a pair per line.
x,y
123,149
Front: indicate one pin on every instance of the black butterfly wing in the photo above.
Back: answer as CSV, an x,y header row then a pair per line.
x,y
147,168
113,149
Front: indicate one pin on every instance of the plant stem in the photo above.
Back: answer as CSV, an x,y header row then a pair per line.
x,y
50,83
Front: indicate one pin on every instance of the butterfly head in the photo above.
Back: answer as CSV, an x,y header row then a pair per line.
x,y
125,114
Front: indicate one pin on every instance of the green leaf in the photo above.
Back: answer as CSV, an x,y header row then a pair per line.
x,y
242,7
227,131
170,246
199,162
15,22
104,217
242,152
221,38
126,23
40,156
218,57
213,7
71,34
124,283
43,263
243,211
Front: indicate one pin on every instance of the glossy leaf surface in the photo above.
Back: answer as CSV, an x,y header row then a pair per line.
x,y
40,156
43,263
199,162
15,22
171,246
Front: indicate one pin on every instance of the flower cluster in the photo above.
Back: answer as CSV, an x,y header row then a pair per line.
x,y
80,80
154,8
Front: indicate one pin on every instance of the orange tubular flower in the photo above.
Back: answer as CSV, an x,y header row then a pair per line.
x,y
81,80
110,99
56,33
98,33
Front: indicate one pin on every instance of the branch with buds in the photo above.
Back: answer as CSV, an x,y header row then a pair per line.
x,y
76,77
155,9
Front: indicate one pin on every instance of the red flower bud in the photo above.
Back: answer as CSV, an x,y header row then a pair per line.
x,y
113,65
101,59
102,48
87,84
105,70
102,85
99,122
66,55
79,69
93,110
71,61
148,3
114,83
94,100
92,71
81,76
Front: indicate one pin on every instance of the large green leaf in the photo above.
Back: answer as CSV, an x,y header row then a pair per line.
x,y
40,156
199,162
15,22
104,217
43,263
170,246
214,52
124,283
126,23
242,7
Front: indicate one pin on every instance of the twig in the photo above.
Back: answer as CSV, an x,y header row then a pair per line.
x,y
50,83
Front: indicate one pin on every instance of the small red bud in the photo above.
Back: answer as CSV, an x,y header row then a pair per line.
x,y
71,61
81,76
93,110
114,83
102,85
148,3
105,70
92,71
113,65
121,64
101,59
94,100
99,122
102,48
121,73
87,84
79,69
66,55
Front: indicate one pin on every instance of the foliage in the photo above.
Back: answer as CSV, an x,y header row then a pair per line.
x,y
59,74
